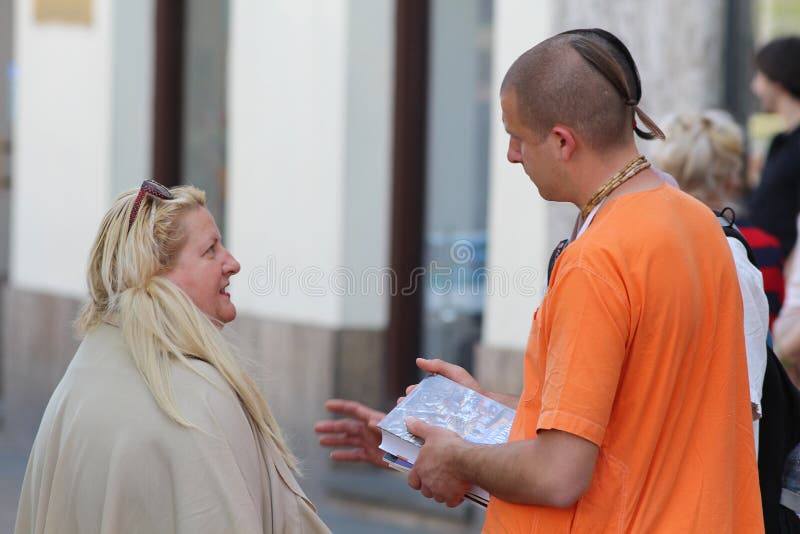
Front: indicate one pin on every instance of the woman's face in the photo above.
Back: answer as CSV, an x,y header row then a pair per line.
x,y
203,267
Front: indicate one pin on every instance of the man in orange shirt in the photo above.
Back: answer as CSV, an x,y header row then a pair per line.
x,y
635,413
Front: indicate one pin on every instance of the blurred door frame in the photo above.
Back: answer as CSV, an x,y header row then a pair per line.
x,y
403,336
168,91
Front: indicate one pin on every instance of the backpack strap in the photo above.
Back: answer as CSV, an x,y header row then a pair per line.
x,y
779,429
727,219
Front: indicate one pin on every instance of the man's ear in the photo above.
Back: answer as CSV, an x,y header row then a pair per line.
x,y
564,142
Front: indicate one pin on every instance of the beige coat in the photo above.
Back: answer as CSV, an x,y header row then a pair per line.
x,y
107,460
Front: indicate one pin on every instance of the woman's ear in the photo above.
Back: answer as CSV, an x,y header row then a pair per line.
x,y
563,142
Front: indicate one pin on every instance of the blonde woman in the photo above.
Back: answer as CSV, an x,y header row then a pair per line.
x,y
155,427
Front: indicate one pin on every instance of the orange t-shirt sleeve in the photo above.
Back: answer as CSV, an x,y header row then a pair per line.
x,y
588,330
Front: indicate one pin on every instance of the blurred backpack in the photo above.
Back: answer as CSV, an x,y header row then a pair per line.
x,y
779,427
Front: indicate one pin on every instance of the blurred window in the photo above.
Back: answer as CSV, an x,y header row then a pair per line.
x,y
205,83
454,253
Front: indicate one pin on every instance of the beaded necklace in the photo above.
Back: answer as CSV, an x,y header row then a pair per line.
x,y
631,169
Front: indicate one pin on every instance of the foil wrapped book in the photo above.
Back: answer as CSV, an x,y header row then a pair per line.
x,y
441,402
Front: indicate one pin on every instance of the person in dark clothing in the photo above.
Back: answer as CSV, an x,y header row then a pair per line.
x,y
775,203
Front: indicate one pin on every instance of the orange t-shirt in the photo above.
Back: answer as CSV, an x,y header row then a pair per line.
x,y
638,347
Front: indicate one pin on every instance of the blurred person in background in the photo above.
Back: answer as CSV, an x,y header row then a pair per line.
x,y
155,427
775,203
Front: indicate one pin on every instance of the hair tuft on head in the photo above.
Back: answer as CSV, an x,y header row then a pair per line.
x,y
585,79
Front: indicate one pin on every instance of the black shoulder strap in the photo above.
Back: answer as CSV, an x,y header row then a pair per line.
x,y
727,219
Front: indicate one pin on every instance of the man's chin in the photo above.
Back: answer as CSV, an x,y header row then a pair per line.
x,y
545,194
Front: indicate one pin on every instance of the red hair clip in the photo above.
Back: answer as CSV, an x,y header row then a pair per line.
x,y
152,188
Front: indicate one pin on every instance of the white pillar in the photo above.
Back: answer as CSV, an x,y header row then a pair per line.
x,y
518,243
310,112
81,128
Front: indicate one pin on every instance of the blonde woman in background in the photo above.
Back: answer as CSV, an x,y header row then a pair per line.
x,y
704,153
155,427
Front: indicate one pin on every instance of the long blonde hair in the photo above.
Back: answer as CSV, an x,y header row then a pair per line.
x,y
704,153
159,322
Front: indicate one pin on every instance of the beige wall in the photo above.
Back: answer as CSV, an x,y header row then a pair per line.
x,y
37,345
80,130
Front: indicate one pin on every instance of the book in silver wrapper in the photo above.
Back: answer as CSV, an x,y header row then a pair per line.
x,y
441,402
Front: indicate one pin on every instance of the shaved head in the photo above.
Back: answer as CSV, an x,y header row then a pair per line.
x,y
583,79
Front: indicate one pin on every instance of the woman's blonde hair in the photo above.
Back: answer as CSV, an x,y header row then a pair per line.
x,y
159,322
704,153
